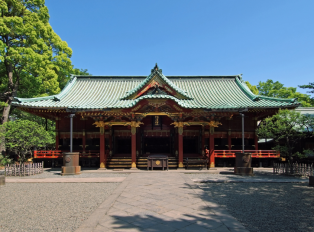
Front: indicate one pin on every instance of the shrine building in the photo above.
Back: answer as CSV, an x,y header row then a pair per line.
x,y
120,120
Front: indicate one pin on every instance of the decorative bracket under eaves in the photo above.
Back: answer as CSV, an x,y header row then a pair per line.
x,y
211,124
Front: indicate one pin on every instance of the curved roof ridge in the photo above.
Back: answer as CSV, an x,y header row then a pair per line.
x,y
245,88
254,97
148,78
56,97
290,100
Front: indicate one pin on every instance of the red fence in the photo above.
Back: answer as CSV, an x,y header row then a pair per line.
x,y
58,154
217,153
255,153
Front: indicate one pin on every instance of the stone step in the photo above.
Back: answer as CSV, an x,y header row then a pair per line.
x,y
145,166
119,166
120,163
125,162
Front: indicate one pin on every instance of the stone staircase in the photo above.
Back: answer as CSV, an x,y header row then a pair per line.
x,y
119,162
141,163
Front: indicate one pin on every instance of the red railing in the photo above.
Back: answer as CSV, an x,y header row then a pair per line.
x,y
255,153
217,153
58,154
48,154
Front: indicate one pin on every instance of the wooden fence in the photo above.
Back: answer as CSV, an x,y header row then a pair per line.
x,y
23,169
296,169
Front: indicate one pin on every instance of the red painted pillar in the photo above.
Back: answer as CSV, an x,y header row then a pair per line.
x,y
133,141
57,133
84,140
256,142
102,154
211,148
180,146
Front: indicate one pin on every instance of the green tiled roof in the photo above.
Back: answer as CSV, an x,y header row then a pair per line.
x,y
156,72
202,92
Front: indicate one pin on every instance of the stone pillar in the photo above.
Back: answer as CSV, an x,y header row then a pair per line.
x,y
211,147
133,141
83,120
229,140
102,154
180,145
203,141
255,134
110,142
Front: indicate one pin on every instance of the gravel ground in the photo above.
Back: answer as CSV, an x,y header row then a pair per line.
x,y
57,174
266,206
49,206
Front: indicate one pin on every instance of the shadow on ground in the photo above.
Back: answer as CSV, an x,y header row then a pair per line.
x,y
266,206
163,218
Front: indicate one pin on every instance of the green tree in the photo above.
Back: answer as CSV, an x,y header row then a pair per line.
x,y
253,88
277,89
22,136
309,86
287,128
34,61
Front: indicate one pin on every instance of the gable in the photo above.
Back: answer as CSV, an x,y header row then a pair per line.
x,y
156,84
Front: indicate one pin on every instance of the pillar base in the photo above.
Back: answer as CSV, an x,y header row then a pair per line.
x,y
2,180
70,170
243,171
311,181
102,165
212,165
133,166
71,164
180,166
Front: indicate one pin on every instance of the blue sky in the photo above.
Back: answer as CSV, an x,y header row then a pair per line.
x,y
265,39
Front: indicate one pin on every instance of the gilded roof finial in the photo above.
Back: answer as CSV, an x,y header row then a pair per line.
x,y
156,68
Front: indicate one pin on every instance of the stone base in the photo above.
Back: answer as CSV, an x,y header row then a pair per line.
x,y
243,171
2,180
311,181
71,170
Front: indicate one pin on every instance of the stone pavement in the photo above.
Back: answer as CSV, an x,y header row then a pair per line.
x,y
66,180
159,201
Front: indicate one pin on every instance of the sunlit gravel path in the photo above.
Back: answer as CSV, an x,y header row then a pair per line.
x,y
49,206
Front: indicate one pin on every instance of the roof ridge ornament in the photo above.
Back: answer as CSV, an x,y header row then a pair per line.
x,y
156,68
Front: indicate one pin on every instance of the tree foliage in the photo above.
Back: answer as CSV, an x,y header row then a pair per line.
x,y
287,128
277,89
22,136
34,61
310,86
253,88
33,58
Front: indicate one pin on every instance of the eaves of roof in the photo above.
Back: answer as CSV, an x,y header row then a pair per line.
x,y
203,92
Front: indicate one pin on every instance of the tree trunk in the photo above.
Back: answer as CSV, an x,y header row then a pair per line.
x,y
6,111
5,117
